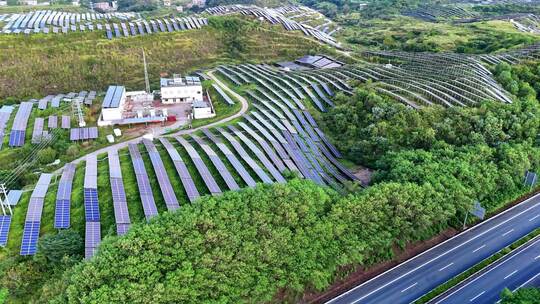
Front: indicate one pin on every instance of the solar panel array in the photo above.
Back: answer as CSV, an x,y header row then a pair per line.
x,y
5,114
226,97
5,224
207,177
52,122
66,122
33,216
18,130
83,133
145,190
121,213
163,179
148,27
63,198
181,168
37,134
91,207
43,102
220,166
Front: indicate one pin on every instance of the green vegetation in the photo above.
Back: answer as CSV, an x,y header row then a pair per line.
x,y
83,61
522,296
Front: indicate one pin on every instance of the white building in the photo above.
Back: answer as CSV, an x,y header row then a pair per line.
x,y
113,103
178,89
76,3
31,2
201,110
166,2
3,3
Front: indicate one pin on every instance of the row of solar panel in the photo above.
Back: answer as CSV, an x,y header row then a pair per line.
x,y
153,26
83,133
39,19
33,216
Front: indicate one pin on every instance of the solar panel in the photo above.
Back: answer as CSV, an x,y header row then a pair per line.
x,y
276,160
5,224
207,177
66,122
163,179
245,156
226,97
260,155
52,122
92,238
331,147
37,134
121,213
143,183
63,198
182,170
220,166
30,238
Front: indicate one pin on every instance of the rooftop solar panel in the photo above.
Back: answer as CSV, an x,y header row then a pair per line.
x,y
143,183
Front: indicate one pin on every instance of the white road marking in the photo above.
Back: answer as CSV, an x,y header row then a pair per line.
x,y
513,272
479,248
534,217
478,295
528,281
446,266
536,258
410,287
472,238
507,232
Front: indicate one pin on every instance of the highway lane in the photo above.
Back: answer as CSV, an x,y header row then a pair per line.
x,y
416,277
519,268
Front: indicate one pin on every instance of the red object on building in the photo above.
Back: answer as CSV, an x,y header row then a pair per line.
x,y
171,118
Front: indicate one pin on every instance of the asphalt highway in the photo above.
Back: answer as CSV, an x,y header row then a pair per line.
x,y
414,278
518,269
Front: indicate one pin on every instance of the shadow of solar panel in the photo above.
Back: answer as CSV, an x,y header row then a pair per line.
x,y
30,238
5,224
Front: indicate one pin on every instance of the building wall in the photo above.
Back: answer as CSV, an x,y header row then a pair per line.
x,y
177,94
112,114
201,113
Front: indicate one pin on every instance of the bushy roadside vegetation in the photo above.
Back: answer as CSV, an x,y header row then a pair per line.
x,y
522,296
38,65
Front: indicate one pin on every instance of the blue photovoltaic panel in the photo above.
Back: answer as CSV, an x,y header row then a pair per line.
x,y
61,215
201,166
163,179
232,159
182,170
30,238
260,155
143,183
92,238
91,205
245,156
5,223
226,97
327,143
220,166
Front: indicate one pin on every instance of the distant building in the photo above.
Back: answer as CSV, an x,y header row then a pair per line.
x,y
30,2
196,3
76,3
105,6
180,9
113,103
178,89
166,2
3,3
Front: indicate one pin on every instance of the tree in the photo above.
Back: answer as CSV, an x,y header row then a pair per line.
x,y
47,155
65,244
521,296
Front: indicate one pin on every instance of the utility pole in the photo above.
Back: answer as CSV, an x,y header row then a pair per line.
x,y
146,80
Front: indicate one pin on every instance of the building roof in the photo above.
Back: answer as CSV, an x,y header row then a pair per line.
x,y
179,81
113,97
200,104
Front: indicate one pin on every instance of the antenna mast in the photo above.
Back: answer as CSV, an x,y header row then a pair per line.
x,y
146,80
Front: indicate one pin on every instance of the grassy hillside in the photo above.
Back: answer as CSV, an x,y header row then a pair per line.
x,y
36,65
